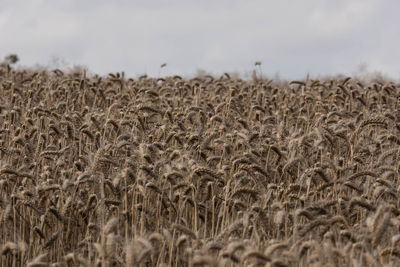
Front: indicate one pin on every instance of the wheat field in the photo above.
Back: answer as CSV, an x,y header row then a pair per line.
x,y
207,171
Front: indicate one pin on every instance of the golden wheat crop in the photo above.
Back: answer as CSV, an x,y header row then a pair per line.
x,y
111,171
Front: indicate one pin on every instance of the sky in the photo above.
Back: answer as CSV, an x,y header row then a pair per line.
x,y
291,38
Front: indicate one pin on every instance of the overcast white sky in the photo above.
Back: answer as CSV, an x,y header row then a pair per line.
x,y
289,37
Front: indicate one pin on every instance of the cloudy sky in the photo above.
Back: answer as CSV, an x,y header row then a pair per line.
x,y
290,38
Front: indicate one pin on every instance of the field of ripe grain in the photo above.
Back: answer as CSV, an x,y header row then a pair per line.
x,y
208,171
